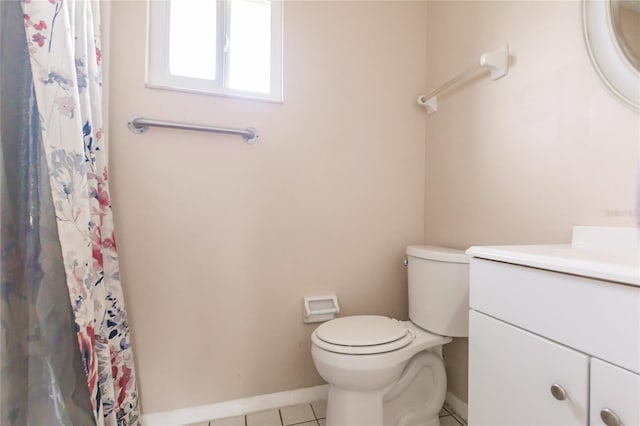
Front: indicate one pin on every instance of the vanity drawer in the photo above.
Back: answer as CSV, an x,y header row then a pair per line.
x,y
596,317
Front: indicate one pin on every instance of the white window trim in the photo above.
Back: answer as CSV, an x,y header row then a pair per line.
x,y
157,70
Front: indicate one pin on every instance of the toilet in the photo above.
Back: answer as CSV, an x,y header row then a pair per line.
x,y
382,371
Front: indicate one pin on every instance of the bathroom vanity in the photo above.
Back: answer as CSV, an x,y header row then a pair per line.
x,y
554,334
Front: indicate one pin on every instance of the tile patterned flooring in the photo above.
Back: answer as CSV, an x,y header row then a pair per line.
x,y
312,414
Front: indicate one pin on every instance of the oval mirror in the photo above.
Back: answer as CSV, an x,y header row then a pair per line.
x,y
612,35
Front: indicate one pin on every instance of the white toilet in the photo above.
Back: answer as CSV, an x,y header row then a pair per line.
x,y
387,372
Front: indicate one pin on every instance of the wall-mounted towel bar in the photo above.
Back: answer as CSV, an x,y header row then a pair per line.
x,y
139,124
497,62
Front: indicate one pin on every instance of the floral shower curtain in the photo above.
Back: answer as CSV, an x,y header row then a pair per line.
x,y
62,363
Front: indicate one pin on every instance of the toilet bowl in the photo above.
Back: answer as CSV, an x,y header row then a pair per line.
x,y
387,372
361,384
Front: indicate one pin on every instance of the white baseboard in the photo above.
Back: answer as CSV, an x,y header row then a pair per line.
x,y
458,406
239,407
236,407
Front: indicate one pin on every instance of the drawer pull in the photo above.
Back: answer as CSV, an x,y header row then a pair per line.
x,y
610,418
558,392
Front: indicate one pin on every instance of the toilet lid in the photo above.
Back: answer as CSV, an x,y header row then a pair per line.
x,y
362,334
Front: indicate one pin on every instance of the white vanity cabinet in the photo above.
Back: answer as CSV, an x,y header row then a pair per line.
x,y
551,344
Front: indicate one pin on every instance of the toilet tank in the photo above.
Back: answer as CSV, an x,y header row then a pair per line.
x,y
439,289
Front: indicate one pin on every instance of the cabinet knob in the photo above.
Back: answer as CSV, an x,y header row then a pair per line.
x,y
610,418
558,392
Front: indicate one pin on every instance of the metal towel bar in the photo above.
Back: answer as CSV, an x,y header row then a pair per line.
x,y
139,125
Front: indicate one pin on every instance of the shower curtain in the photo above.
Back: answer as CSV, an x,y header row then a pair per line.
x,y
65,350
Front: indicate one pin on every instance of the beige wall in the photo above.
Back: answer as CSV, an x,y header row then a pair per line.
x,y
219,241
521,159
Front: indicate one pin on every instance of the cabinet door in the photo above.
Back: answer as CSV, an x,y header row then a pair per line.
x,y
616,390
511,372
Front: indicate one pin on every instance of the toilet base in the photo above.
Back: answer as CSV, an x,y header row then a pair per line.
x,y
418,396
415,399
348,408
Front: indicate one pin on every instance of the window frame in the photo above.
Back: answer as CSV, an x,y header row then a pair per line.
x,y
157,61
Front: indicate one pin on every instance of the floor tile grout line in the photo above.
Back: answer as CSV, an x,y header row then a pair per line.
x,y
455,419
301,423
314,412
459,419
315,418
455,415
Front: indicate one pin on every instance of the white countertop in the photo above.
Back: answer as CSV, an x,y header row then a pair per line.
x,y
611,254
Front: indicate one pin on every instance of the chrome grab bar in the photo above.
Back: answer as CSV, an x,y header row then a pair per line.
x,y
139,125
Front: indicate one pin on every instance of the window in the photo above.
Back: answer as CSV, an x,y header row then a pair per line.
x,y
224,47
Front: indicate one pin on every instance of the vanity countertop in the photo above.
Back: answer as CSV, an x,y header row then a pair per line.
x,y
611,254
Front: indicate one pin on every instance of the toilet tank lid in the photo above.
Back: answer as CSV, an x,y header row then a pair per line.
x,y
441,254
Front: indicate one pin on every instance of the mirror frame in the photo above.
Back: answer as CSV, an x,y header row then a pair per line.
x,y
607,57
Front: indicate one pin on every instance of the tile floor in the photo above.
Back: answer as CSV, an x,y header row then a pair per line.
x,y
449,418
304,415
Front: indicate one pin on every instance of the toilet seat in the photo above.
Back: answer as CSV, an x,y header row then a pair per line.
x,y
362,335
